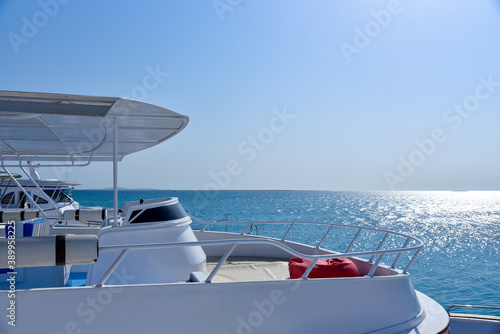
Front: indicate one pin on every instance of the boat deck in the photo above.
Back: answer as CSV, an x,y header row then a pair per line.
x,y
237,269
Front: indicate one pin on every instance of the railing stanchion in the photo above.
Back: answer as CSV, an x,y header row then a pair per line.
x,y
324,237
354,239
287,231
412,260
379,246
246,229
309,269
111,269
221,262
400,253
375,265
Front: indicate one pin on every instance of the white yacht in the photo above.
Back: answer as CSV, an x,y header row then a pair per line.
x,y
50,196
144,268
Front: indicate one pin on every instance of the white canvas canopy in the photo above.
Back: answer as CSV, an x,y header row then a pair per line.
x,y
77,128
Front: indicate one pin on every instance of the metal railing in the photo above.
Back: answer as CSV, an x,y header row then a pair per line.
x,y
413,251
489,308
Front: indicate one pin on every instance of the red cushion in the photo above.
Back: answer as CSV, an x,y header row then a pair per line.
x,y
339,267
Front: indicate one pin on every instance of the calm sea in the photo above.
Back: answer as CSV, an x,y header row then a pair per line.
x,y
460,230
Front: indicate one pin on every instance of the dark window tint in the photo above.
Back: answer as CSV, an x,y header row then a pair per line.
x,y
39,200
58,195
164,213
7,199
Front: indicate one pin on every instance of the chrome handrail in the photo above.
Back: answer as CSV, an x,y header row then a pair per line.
x,y
308,223
276,243
472,306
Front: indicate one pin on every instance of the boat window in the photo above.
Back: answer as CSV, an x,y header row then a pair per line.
x,y
8,199
40,200
58,195
159,214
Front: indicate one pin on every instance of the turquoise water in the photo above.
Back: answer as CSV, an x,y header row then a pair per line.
x,y
460,230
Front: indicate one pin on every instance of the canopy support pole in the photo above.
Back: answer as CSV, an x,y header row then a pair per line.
x,y
115,170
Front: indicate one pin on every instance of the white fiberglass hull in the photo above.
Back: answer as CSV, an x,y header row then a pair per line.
x,y
384,303
290,306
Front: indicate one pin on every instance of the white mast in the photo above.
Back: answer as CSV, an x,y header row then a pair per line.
x,y
115,170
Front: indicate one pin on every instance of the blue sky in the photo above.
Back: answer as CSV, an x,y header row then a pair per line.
x,y
320,95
